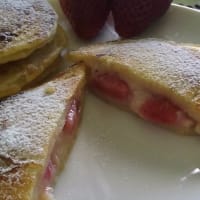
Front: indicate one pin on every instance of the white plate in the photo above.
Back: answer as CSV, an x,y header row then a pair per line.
x,y
118,156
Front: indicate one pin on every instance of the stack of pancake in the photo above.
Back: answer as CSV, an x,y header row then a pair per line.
x,y
30,43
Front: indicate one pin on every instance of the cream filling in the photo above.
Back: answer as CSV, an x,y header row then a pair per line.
x,y
138,96
55,164
59,153
142,96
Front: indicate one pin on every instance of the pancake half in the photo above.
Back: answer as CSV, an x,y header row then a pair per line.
x,y
37,130
25,25
16,75
158,80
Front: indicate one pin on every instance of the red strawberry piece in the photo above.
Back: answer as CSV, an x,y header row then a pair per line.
x,y
87,17
159,110
48,175
72,117
132,17
111,85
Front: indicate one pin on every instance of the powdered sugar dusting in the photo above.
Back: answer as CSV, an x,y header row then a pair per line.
x,y
25,25
28,122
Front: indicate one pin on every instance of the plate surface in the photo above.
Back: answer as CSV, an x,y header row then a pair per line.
x,y
119,156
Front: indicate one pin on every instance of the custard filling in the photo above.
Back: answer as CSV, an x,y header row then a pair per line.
x,y
60,150
152,107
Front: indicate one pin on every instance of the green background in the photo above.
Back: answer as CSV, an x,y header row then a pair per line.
x,y
188,2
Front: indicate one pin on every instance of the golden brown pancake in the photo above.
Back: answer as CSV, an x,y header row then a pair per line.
x,y
14,76
36,136
25,25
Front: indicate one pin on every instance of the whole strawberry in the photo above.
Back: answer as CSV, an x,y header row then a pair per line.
x,y
160,7
132,17
87,17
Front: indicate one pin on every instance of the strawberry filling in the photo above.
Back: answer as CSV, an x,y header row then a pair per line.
x,y
72,117
49,173
111,85
61,147
154,108
160,110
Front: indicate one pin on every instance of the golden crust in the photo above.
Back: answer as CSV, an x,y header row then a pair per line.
x,y
18,180
26,25
162,67
29,124
16,75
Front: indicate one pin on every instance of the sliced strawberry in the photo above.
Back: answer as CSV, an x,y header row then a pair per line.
x,y
72,117
111,85
132,17
160,110
49,173
87,17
